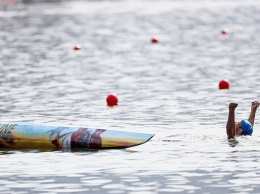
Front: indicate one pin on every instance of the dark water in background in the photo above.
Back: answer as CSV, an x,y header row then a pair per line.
x,y
170,89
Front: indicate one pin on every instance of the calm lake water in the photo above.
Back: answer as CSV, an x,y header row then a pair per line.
x,y
169,89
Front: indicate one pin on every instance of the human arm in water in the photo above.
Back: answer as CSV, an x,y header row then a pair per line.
x,y
231,123
254,107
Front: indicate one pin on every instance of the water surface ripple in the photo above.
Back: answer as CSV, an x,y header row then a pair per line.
x,y
169,88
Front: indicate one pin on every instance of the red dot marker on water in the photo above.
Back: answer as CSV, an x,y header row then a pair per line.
x,y
154,39
224,31
77,47
223,84
112,100
11,1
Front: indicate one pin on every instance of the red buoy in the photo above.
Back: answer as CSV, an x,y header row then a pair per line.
x,y
154,39
223,84
224,31
77,47
112,100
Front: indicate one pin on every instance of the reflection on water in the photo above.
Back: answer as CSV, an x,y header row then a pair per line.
x,y
4,152
233,142
169,88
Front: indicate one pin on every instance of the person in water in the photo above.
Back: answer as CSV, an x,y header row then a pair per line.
x,y
244,127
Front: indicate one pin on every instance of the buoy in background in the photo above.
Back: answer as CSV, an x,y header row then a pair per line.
x,y
224,84
224,31
154,39
112,100
11,1
77,47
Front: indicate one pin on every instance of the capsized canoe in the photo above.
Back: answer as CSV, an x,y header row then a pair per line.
x,y
24,135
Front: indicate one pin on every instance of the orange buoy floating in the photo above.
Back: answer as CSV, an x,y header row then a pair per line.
x,y
112,100
224,84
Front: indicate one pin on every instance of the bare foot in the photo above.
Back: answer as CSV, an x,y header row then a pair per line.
x,y
233,105
255,105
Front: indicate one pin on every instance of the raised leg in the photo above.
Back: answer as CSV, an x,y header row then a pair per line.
x,y
254,107
231,123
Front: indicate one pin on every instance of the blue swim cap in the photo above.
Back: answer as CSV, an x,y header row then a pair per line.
x,y
246,127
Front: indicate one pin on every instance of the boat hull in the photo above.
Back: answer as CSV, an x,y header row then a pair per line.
x,y
20,135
